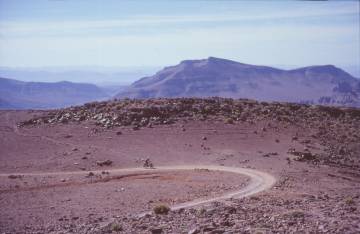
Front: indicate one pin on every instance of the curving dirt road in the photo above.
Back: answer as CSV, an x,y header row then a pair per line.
x,y
259,181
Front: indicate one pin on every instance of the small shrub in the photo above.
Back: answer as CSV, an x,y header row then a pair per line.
x,y
296,214
115,227
349,201
229,121
201,211
161,209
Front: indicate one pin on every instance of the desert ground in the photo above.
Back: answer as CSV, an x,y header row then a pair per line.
x,y
221,165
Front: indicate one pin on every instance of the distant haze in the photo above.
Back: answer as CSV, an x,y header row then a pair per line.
x,y
209,77
103,76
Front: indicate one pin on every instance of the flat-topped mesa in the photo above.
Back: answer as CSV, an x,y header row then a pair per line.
x,y
214,62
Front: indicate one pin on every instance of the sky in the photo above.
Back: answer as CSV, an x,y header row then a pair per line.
x,y
41,33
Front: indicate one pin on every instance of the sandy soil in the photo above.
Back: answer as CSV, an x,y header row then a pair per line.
x,y
325,197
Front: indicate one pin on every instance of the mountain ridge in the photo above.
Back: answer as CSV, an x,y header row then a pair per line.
x,y
15,94
227,78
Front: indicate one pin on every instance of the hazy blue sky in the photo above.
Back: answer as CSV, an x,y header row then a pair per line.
x,y
157,33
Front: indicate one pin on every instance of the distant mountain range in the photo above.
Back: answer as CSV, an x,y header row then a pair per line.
x,y
87,74
326,84
16,94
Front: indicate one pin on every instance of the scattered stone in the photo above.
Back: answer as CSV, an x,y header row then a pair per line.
x,y
15,176
135,128
270,154
229,121
104,163
244,161
288,160
194,231
217,231
156,230
148,164
303,156
306,141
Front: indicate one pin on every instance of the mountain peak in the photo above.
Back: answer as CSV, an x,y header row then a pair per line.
x,y
320,68
211,61
215,59
325,69
222,61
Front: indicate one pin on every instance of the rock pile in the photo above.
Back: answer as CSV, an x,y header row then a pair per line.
x,y
303,156
104,163
142,113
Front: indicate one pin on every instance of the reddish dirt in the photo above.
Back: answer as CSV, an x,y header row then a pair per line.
x,y
326,196
50,201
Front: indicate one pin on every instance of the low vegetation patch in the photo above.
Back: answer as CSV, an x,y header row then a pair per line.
x,y
161,209
349,201
115,227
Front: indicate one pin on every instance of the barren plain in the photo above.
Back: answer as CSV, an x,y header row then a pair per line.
x,y
103,168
